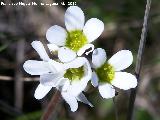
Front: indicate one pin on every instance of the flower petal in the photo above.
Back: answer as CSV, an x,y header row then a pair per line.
x,y
87,72
35,67
63,84
52,47
121,60
74,18
66,55
76,63
84,48
78,86
56,35
41,91
38,46
66,84
124,80
71,100
55,66
82,98
98,57
50,79
106,90
93,29
94,80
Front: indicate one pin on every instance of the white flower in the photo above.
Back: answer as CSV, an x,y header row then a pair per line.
x,y
70,78
78,36
77,73
108,73
46,66
71,82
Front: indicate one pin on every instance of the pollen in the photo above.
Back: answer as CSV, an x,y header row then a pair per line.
x,y
75,40
106,73
74,73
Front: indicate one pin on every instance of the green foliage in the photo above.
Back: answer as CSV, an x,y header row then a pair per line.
x,y
142,114
30,116
3,47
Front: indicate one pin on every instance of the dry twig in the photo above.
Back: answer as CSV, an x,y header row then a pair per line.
x,y
139,59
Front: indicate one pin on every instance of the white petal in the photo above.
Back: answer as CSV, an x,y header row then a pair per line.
x,y
38,46
78,86
94,79
34,67
63,84
82,98
55,66
66,84
98,57
71,100
41,91
74,18
124,80
56,35
84,48
52,47
121,60
93,29
50,79
66,55
106,91
76,63
87,72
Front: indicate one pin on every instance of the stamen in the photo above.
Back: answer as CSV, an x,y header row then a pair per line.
x,y
74,73
75,40
106,73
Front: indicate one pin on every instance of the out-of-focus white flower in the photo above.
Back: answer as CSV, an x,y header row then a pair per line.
x,y
70,78
78,36
108,73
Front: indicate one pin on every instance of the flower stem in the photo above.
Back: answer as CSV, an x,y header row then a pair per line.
x,y
51,106
139,59
115,108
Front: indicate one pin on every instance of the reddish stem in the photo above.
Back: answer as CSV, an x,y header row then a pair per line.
x,y
51,106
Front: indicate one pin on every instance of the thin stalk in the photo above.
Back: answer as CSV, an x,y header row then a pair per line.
x,y
115,108
139,59
51,106
18,86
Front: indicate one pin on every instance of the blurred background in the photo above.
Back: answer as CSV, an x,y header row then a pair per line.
x,y
20,25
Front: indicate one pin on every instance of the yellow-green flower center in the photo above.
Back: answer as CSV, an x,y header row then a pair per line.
x,y
74,73
75,40
106,73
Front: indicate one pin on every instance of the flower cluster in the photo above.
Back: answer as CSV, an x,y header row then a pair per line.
x,y
71,73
